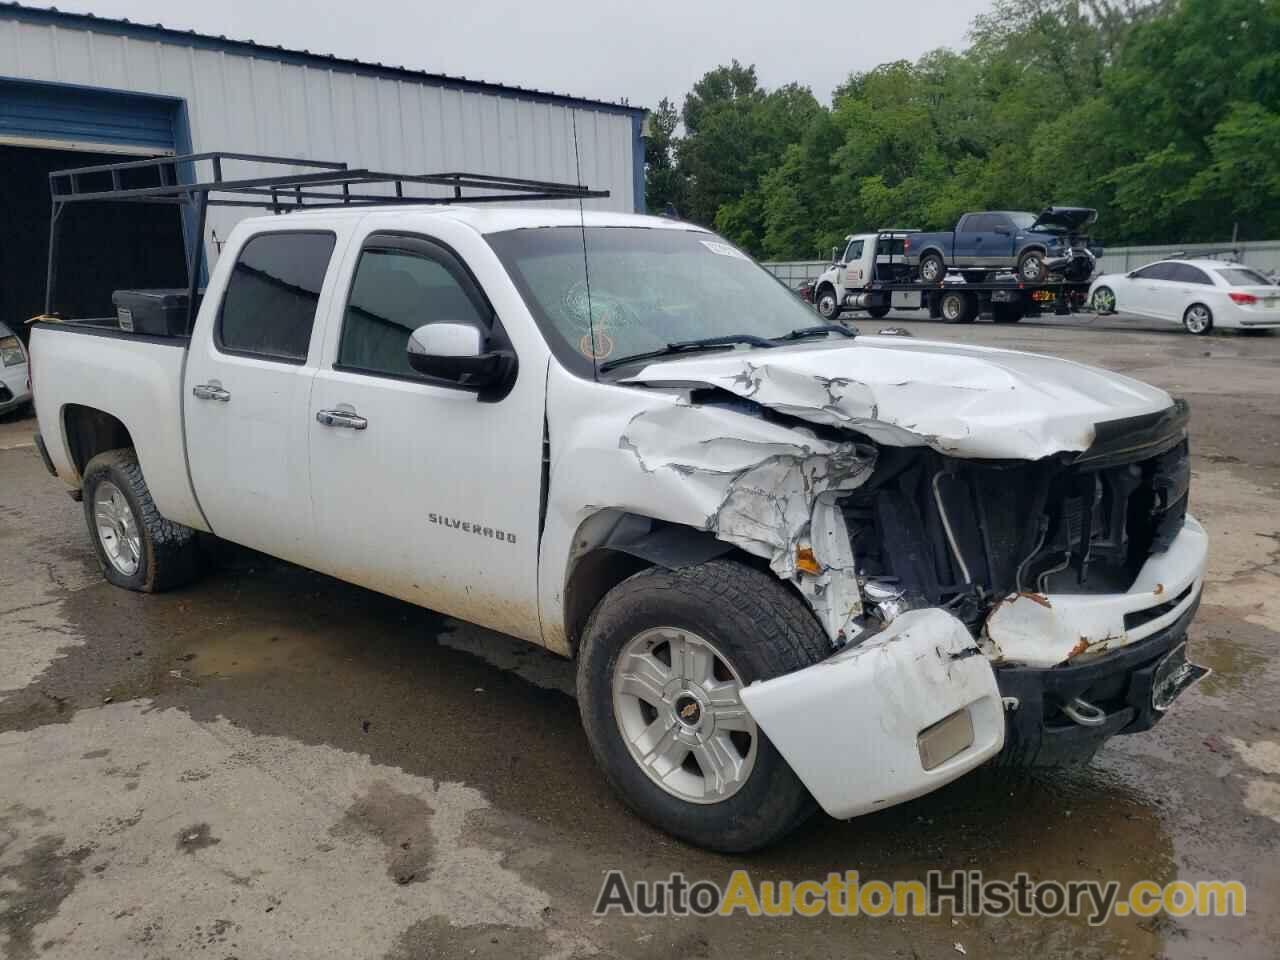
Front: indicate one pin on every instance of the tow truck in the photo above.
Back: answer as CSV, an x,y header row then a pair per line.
x,y
869,273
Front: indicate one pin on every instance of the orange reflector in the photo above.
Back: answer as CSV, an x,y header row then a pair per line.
x,y
806,561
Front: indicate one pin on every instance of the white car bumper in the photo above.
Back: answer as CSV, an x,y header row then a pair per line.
x,y
850,726
919,704
17,387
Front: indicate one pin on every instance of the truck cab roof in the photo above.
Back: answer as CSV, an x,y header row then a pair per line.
x,y
484,220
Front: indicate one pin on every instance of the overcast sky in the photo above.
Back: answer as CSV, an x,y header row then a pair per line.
x,y
640,50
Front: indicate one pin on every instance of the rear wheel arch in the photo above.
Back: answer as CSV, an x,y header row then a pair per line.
x,y
90,431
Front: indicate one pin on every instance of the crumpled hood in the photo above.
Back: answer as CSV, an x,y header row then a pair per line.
x,y
967,401
1069,219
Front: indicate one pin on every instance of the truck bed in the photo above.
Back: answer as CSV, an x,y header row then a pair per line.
x,y
136,378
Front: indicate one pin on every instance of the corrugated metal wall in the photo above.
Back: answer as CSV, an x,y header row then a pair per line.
x,y
267,105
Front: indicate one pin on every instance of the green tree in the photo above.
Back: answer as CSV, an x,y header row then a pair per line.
x,y
663,180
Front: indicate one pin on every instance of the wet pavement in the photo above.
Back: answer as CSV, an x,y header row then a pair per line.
x,y
272,763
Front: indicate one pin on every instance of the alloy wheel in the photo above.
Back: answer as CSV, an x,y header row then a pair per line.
x,y
117,528
677,701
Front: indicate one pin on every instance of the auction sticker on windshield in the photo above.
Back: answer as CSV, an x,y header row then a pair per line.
x,y
724,249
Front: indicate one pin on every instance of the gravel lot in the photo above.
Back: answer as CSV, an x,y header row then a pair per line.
x,y
274,764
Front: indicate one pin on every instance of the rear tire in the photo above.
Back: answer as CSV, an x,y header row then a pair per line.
x,y
956,306
878,313
1198,320
933,269
137,548
1006,312
755,629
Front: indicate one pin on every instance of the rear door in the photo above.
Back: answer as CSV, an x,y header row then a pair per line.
x,y
421,489
1188,285
247,389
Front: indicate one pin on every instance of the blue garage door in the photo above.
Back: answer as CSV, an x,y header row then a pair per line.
x,y
82,118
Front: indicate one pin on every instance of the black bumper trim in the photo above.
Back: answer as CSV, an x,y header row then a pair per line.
x,y
1037,733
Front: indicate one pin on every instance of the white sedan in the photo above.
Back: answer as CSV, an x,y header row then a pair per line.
x,y
15,379
1199,294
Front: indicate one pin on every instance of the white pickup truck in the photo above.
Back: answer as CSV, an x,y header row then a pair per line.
x,y
796,567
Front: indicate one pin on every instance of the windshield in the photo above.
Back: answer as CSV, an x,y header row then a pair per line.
x,y
648,287
1243,277
1024,221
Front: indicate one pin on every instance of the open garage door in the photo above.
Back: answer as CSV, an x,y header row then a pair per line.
x,y
106,246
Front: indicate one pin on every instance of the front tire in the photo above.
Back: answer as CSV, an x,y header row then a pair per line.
x,y
1032,268
1198,320
662,662
1104,301
137,548
828,304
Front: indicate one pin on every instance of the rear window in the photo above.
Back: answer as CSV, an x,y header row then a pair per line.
x,y
1243,277
270,304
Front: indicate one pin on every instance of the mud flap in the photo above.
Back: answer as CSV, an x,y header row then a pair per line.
x,y
851,726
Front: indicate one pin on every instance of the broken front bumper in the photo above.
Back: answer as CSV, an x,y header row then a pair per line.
x,y
1127,690
911,709
918,704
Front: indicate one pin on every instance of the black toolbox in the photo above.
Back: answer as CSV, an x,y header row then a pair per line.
x,y
161,313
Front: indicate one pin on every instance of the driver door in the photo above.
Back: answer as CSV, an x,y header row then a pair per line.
x,y
422,489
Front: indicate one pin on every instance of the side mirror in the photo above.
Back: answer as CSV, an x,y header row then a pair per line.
x,y
835,254
456,352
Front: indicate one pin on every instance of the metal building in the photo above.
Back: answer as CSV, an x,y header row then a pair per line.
x,y
76,89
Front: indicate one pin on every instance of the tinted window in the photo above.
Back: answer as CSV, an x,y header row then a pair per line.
x,y
1157,271
986,223
270,303
1185,273
854,253
395,292
1243,277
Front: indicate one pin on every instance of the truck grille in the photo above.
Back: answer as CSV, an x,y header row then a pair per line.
x,y
939,529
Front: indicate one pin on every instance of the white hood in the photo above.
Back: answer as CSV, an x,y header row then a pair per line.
x,y
962,400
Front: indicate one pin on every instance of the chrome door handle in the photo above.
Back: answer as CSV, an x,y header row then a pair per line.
x,y
210,391
341,418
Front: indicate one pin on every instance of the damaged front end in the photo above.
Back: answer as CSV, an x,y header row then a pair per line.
x,y
996,544
1073,577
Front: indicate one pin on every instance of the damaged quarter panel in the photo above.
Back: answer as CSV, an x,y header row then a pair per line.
x,y
879,700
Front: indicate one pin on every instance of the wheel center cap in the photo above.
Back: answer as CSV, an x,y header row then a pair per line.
x,y
688,711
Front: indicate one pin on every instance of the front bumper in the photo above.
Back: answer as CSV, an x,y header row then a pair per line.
x,y
15,387
1036,630
1120,684
854,727
850,726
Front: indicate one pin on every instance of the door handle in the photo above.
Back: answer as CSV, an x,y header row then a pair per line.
x,y
341,418
210,391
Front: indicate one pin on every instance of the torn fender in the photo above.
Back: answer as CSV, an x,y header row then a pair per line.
x,y
962,400
850,725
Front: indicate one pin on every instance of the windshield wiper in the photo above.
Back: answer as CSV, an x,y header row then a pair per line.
x,y
685,346
823,328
